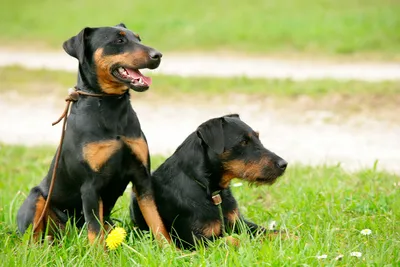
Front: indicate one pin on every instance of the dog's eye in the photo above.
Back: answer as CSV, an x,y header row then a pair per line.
x,y
245,142
119,41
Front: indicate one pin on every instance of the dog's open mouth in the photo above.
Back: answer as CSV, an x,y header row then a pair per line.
x,y
136,80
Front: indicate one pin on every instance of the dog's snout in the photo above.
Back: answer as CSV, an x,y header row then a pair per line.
x,y
155,55
281,164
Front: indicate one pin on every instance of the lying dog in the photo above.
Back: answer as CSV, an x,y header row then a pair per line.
x,y
104,147
189,185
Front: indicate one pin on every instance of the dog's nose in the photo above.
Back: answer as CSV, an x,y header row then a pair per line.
x,y
281,164
155,55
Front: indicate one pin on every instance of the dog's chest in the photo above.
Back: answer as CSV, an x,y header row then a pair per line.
x,y
115,152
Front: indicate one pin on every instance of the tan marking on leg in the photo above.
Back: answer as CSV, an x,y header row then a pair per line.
x,y
212,229
101,219
138,147
108,83
152,218
233,216
39,225
107,228
97,153
92,236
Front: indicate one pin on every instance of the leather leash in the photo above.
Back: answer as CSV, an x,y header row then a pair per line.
x,y
73,96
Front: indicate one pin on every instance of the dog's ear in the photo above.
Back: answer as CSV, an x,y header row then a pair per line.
x,y
122,25
233,116
211,132
75,46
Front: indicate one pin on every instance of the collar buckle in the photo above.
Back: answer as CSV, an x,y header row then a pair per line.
x,y
217,199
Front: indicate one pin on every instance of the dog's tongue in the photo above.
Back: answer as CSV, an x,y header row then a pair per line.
x,y
136,74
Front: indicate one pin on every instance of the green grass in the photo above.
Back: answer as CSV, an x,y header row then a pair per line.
x,y
325,207
324,27
37,82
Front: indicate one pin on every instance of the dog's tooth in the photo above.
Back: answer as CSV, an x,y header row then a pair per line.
x,y
140,80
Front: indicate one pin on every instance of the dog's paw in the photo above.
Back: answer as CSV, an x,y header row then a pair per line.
x,y
232,241
282,234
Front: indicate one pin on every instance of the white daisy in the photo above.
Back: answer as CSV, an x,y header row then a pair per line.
x,y
323,256
356,254
365,232
272,225
339,257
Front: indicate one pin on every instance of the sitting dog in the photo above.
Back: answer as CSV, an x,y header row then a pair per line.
x,y
192,186
104,147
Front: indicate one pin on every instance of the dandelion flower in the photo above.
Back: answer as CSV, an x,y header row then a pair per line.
x,y
324,256
366,232
115,238
356,254
272,225
237,184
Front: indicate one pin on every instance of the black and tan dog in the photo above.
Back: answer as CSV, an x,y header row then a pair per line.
x,y
186,185
104,147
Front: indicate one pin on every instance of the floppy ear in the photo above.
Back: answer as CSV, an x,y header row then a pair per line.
x,y
122,25
212,134
75,46
233,116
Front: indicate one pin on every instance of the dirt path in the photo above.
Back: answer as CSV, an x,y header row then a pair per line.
x,y
307,140
304,137
224,66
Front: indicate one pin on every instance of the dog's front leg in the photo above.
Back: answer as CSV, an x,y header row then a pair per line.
x,y
147,205
253,228
92,210
143,189
235,220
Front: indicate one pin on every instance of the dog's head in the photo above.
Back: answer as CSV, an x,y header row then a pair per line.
x,y
110,59
240,152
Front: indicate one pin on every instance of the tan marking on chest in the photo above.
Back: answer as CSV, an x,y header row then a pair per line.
x,y
212,229
96,154
138,147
